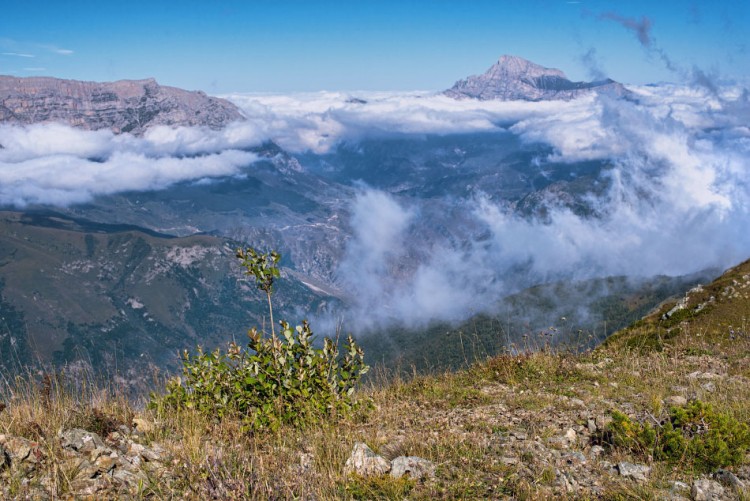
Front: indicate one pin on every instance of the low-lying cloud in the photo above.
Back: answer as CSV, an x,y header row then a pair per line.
x,y
677,202
677,197
58,165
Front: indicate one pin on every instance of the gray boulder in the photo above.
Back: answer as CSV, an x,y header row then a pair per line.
x,y
706,489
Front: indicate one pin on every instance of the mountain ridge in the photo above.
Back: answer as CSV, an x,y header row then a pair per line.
x,y
514,78
121,106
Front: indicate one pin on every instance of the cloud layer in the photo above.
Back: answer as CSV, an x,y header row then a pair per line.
x,y
57,165
678,201
677,197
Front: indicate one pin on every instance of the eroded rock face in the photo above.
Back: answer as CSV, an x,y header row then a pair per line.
x,y
514,78
122,106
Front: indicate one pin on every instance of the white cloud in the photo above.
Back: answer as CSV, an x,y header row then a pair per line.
x,y
319,121
18,54
56,50
678,202
56,164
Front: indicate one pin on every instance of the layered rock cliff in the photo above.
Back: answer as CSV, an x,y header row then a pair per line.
x,y
514,78
122,106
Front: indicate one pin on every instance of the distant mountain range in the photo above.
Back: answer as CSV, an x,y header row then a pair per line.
x,y
122,106
513,78
135,105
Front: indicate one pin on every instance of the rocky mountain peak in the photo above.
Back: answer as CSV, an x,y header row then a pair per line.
x,y
518,67
122,106
514,78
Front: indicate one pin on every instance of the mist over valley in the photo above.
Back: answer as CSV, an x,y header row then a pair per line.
x,y
551,217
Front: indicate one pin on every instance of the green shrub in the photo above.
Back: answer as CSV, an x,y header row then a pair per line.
x,y
273,380
694,434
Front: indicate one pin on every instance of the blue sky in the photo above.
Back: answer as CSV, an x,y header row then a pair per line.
x,y
280,46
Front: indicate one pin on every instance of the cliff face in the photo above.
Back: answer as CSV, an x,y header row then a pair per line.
x,y
122,106
513,78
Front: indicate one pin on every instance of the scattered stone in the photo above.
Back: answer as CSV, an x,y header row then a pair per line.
x,y
153,453
415,467
19,453
591,425
125,429
575,458
597,450
706,489
709,387
566,481
98,469
80,440
602,422
676,401
570,435
679,488
729,479
364,462
519,435
135,449
704,375
306,461
637,472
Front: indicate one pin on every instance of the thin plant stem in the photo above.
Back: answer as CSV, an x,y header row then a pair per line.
x,y
270,311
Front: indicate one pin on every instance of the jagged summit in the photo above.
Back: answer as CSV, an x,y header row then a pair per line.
x,y
122,106
514,78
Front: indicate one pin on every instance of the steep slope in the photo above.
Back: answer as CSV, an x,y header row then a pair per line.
x,y
121,299
273,203
122,106
713,316
514,78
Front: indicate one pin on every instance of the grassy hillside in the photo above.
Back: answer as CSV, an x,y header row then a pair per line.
x,y
533,426
119,299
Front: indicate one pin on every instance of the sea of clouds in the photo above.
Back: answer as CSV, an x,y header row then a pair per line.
x,y
678,199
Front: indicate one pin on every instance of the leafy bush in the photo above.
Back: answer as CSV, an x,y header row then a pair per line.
x,y
273,380
694,434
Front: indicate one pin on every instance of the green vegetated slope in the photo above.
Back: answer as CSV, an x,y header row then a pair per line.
x,y
714,316
118,299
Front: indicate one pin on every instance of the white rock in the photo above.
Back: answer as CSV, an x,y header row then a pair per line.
x,y
570,435
364,462
637,472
